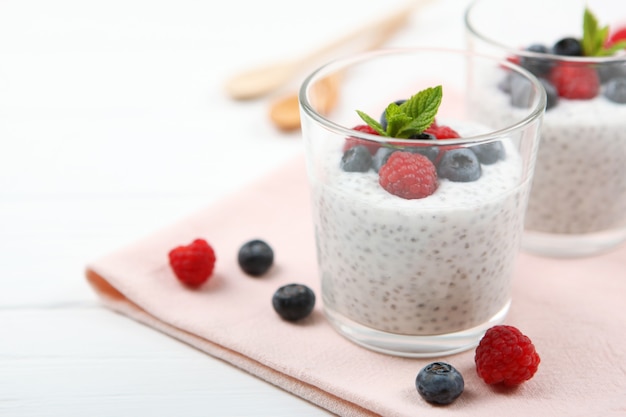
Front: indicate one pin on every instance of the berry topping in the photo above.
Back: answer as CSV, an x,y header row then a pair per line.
x,y
513,59
430,152
489,153
618,35
255,257
408,175
506,356
459,165
424,136
365,129
537,66
370,145
439,383
610,70
575,81
293,302
380,158
568,47
552,96
410,117
356,159
442,132
615,90
520,90
193,264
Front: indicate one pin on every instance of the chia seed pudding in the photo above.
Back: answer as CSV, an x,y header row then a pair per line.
x,y
427,266
579,186
577,204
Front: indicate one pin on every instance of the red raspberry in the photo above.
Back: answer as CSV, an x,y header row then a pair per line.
x,y
193,264
408,175
575,81
442,132
514,59
618,35
351,141
504,355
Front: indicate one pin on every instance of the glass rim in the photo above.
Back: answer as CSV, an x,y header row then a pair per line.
x,y
337,64
619,58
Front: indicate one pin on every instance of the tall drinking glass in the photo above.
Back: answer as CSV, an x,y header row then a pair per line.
x,y
577,205
417,237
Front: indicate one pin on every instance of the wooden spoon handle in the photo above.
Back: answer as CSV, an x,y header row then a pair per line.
x,y
260,81
284,112
372,34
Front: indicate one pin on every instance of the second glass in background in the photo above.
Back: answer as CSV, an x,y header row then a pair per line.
x,y
577,204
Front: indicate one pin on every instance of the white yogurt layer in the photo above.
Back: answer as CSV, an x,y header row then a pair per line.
x,y
418,267
579,184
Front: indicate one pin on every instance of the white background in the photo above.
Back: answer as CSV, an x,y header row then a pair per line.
x,y
113,124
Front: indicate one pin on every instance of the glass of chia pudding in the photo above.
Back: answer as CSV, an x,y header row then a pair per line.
x,y
418,206
577,206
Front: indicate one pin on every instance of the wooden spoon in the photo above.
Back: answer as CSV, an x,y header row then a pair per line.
x,y
260,81
284,112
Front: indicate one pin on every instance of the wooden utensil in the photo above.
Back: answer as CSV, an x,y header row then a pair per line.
x,y
259,81
284,112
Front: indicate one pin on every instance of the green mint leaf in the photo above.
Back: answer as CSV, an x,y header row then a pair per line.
x,y
594,37
411,117
611,50
396,119
590,27
372,123
423,107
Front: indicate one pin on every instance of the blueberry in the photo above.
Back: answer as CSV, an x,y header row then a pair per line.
x,y
615,90
383,118
608,71
520,90
356,159
459,165
552,95
539,48
430,152
568,47
537,66
424,136
293,302
380,157
255,257
505,83
439,383
489,153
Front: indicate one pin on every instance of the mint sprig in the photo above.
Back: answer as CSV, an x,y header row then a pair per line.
x,y
595,37
409,118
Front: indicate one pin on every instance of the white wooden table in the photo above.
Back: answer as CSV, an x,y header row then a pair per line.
x,y
113,123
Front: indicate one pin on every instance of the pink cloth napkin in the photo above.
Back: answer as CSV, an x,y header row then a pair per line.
x,y
573,310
